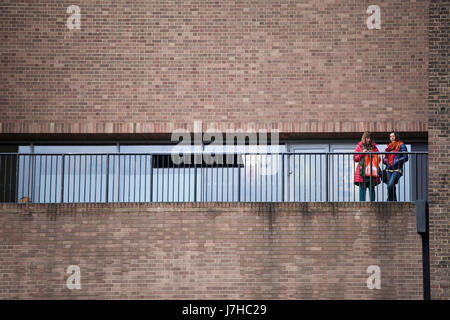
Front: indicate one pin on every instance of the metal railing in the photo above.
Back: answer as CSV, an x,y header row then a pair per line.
x,y
237,177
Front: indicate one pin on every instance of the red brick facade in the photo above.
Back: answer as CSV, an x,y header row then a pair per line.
x,y
145,68
153,66
439,144
210,251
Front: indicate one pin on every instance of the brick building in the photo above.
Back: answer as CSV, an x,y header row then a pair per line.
x,y
133,73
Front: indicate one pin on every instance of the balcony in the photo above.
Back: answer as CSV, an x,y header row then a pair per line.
x,y
201,177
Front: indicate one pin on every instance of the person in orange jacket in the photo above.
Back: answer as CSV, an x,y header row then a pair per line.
x,y
366,173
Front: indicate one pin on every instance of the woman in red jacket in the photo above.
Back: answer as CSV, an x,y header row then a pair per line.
x,y
366,173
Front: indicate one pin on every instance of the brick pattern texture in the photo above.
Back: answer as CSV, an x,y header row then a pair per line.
x,y
439,145
210,251
153,66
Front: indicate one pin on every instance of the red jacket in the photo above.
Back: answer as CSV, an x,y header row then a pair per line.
x,y
357,158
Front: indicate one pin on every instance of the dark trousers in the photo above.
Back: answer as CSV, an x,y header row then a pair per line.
x,y
393,178
362,191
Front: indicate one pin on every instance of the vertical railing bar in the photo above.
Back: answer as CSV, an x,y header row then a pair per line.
x,y
217,177
256,177
195,178
244,177
11,179
9,183
211,178
253,166
315,177
39,179
106,179
134,179
151,177
95,179
266,197
63,168
332,176
86,174
5,197
157,177
10,191
4,177
129,178
310,177
408,164
168,180
225,173
73,180
184,181
277,177
30,184
90,176
238,177
3,159
101,179
292,176
79,179
282,179
45,178
342,171
270,156
18,167
303,156
354,185
189,179
173,178
23,178
349,178
417,179
140,177
119,177
36,182
224,169
261,177
123,182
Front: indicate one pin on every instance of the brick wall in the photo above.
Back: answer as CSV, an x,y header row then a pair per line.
x,y
153,66
439,144
210,251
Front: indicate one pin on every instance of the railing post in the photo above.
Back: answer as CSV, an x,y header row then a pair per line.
x,y
326,177
282,178
195,179
107,179
151,178
239,178
62,178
